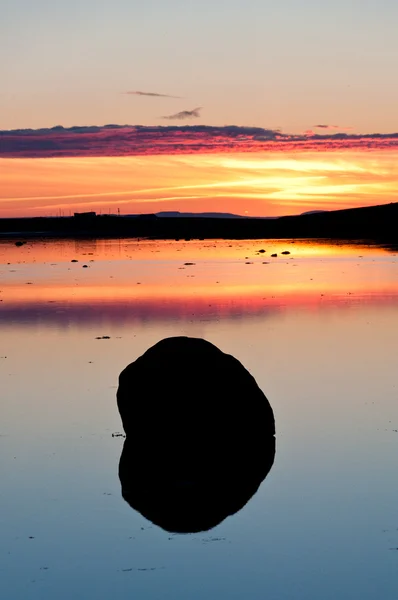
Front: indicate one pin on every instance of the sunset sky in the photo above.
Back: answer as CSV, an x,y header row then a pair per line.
x,y
299,100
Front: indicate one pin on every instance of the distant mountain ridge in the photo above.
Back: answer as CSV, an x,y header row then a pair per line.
x,y
313,212
220,215
209,215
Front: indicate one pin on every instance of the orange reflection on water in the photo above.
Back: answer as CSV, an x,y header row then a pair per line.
x,y
51,251
195,278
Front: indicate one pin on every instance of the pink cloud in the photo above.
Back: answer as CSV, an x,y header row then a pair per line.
x,y
127,140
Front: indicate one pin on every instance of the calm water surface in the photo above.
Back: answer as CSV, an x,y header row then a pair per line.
x,y
318,330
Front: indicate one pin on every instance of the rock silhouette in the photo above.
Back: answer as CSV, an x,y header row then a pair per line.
x,y
199,434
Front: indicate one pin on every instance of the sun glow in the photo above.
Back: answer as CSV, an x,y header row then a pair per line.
x,y
263,184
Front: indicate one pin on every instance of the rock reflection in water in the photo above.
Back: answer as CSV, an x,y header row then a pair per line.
x,y
200,435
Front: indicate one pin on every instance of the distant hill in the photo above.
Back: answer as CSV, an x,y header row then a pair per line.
x,y
209,215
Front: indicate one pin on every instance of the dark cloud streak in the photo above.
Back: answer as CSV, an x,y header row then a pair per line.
x,y
332,127
185,114
150,94
326,127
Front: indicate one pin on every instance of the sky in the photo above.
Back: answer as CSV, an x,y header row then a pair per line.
x,y
304,69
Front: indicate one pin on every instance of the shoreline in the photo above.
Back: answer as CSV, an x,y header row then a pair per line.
x,y
377,223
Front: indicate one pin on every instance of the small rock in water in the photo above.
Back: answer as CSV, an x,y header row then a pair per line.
x,y
261,251
74,260
285,252
274,255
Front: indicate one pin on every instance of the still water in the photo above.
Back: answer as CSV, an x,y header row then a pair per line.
x,y
317,328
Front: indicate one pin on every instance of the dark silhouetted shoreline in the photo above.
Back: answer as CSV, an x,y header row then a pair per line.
x,y
373,222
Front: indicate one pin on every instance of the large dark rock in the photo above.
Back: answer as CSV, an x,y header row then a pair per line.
x,y
200,434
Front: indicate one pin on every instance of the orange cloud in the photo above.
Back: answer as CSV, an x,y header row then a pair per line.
x,y
257,184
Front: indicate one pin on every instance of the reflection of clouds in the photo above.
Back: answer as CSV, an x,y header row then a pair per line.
x,y
316,275
139,311
62,314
